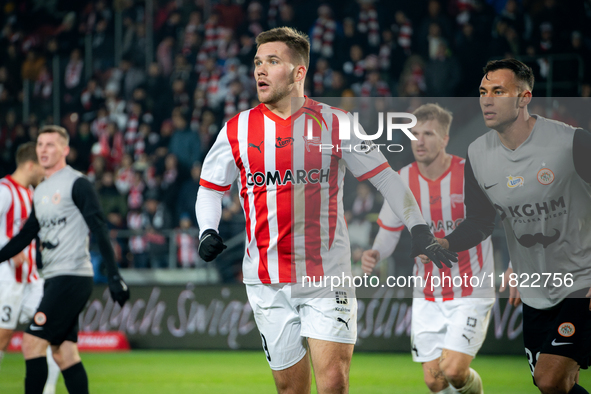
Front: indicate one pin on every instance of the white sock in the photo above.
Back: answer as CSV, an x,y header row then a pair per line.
x,y
52,375
473,385
448,390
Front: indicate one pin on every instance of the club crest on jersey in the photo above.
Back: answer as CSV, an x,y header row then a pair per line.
x,y
56,198
514,181
283,142
40,318
456,199
313,141
545,176
566,329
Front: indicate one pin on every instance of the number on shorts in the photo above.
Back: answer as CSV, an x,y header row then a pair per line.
x,y
530,360
7,312
266,348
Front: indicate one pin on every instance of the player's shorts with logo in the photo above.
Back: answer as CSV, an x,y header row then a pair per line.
x,y
564,330
18,302
56,319
459,325
285,322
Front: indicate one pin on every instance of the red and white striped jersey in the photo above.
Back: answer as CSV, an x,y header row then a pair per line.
x,y
442,204
290,189
187,250
15,207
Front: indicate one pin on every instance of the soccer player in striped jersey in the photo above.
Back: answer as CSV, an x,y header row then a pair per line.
x,y
21,288
291,192
449,322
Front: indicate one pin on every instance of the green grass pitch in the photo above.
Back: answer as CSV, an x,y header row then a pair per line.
x,y
223,372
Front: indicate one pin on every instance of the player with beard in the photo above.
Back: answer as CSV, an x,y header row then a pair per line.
x,y
536,173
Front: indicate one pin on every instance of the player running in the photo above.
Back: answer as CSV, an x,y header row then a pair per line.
x,y
65,208
536,173
291,192
448,323
21,288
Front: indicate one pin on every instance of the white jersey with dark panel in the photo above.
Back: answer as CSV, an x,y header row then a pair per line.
x,y
442,204
292,191
542,192
66,209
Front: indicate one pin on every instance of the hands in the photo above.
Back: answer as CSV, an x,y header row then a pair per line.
x,y
210,245
369,259
19,259
118,288
589,296
429,248
514,296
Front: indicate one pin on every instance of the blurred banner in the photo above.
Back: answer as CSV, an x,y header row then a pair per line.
x,y
219,317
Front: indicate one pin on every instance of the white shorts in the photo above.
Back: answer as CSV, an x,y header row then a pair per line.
x,y
285,322
18,302
459,325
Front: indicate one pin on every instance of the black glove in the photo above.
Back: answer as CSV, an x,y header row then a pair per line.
x,y
118,288
210,245
423,242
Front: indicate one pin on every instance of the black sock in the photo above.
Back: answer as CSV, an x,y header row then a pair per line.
x,y
578,390
36,375
75,379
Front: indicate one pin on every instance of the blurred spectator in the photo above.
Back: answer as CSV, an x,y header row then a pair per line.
x,y
134,44
323,33
73,81
354,67
184,144
42,91
124,175
171,182
115,223
111,145
109,196
337,85
434,15
368,24
187,195
135,198
102,46
32,65
92,98
82,144
128,77
138,245
322,77
442,73
374,86
471,57
404,32
186,241
156,219
364,203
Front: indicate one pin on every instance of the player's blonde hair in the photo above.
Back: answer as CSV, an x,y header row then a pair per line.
x,y
56,129
427,112
296,41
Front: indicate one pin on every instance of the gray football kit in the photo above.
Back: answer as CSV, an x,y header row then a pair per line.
x,y
63,232
545,206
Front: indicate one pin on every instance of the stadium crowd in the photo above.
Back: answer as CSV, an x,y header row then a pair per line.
x,y
140,131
